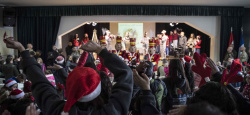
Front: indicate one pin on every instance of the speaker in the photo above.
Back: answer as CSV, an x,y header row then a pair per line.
x,y
9,17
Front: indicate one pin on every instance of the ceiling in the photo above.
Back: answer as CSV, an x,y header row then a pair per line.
x,y
245,3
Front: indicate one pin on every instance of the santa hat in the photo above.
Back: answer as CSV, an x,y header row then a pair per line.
x,y
152,42
97,59
199,36
10,83
132,41
83,85
60,59
16,94
187,59
118,39
102,40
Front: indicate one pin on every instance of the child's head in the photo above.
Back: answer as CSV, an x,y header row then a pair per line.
x,y
40,60
165,62
21,77
47,72
11,84
20,106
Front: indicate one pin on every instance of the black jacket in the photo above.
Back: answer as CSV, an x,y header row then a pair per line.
x,y
50,104
68,50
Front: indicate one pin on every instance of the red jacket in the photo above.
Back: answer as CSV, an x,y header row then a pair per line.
x,y
76,43
170,38
121,53
131,56
175,37
167,43
198,45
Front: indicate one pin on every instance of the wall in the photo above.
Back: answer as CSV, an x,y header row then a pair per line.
x,y
3,49
209,25
246,27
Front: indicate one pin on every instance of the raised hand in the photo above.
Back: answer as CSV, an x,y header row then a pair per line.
x,y
11,43
91,46
31,110
141,81
213,66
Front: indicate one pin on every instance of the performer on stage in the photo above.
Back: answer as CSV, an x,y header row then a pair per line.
x,y
183,43
126,41
170,40
145,43
175,39
163,43
76,41
85,39
108,40
118,48
133,56
157,44
190,45
197,43
152,56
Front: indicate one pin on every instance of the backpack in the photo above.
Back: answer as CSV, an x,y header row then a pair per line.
x,y
159,88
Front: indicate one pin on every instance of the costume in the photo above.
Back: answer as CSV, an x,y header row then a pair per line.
x,y
145,43
119,53
108,40
85,39
154,58
197,43
190,45
76,41
163,43
133,55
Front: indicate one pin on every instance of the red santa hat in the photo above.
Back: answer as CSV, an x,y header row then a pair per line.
x,y
199,36
83,85
16,94
187,59
60,59
97,59
10,83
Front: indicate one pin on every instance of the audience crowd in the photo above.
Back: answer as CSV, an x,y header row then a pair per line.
x,y
77,84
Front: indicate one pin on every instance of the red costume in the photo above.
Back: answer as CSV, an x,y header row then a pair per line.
x,y
133,55
198,43
119,53
170,38
154,58
76,42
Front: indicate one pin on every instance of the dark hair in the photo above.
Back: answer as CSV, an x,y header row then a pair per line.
x,y
202,108
9,56
218,95
39,51
20,107
8,60
23,76
75,58
47,72
149,71
60,51
175,66
190,75
91,65
32,53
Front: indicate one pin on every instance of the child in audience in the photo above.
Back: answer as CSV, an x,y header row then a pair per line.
x,y
81,82
40,61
